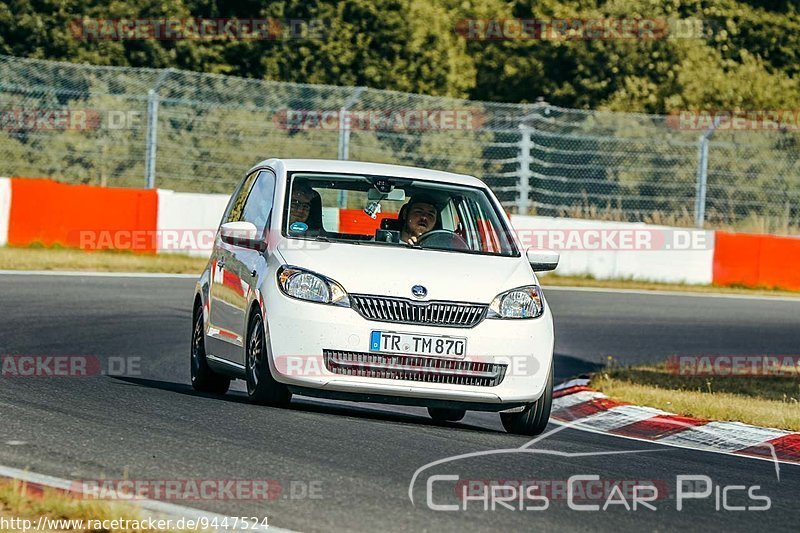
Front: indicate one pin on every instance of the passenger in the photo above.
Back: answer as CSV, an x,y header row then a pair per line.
x,y
300,205
306,207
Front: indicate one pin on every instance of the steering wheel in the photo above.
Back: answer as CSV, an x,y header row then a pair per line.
x,y
442,239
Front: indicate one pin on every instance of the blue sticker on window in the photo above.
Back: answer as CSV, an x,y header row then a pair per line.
x,y
298,227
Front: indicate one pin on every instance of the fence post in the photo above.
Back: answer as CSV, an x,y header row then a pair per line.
x,y
344,123
524,181
152,131
702,182
702,175
344,135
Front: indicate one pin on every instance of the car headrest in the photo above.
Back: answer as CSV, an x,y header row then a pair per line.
x,y
314,220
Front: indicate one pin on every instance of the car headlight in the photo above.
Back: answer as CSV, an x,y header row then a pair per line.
x,y
311,287
523,302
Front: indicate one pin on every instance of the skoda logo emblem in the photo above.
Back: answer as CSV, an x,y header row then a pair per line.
x,y
419,291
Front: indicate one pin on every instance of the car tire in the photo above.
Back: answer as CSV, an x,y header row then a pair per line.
x,y
533,420
262,388
442,414
203,378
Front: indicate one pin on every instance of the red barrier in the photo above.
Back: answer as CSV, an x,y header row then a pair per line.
x,y
51,213
89,217
357,221
779,259
756,260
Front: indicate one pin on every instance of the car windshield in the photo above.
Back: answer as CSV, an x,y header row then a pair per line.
x,y
385,210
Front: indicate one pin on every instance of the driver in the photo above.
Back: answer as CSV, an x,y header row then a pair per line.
x,y
419,218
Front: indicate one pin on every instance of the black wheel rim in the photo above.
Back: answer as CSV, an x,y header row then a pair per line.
x,y
197,346
254,355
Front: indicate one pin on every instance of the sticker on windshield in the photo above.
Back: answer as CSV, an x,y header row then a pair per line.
x,y
298,227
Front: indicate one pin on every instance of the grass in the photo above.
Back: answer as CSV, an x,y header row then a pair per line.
x,y
774,224
17,500
555,280
772,401
35,258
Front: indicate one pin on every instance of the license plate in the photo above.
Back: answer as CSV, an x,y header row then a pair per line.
x,y
409,344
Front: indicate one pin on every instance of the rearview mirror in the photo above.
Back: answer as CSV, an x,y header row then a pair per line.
x,y
542,260
244,234
397,195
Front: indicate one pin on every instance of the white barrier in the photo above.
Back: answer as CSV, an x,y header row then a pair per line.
x,y
652,253
187,222
5,209
330,218
672,255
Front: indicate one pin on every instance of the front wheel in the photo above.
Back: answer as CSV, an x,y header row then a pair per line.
x,y
441,414
533,420
203,378
262,389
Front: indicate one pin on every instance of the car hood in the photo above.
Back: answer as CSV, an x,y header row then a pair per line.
x,y
393,270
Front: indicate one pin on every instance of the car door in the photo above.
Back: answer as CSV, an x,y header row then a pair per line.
x,y
224,339
244,265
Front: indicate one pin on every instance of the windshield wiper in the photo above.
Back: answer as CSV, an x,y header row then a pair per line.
x,y
323,238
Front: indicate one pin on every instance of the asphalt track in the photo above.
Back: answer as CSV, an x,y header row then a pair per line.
x,y
359,459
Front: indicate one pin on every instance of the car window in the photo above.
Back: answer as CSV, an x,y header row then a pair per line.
x,y
236,206
351,208
258,206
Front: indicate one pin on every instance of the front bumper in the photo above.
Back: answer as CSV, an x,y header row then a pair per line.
x,y
299,332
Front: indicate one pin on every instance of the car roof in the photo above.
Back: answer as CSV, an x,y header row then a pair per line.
x,y
360,167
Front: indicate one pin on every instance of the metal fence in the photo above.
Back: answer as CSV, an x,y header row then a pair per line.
x,y
134,127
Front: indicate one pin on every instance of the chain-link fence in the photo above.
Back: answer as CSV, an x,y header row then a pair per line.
x,y
131,127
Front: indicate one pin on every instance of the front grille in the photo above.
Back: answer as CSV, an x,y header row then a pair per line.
x,y
433,313
414,368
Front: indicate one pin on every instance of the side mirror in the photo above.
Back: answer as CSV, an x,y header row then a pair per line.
x,y
542,260
244,234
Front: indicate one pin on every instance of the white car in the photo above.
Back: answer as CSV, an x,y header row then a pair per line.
x,y
377,283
